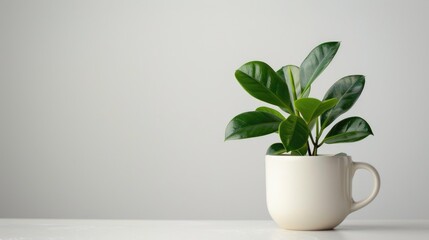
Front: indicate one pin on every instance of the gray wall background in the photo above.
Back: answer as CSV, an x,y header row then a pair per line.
x,y
117,109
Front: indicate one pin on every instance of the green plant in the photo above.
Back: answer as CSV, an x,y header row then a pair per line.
x,y
288,88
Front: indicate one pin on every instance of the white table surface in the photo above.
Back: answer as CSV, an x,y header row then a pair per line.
x,y
32,229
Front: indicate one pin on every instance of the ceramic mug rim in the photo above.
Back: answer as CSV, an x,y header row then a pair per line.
x,y
288,157
318,155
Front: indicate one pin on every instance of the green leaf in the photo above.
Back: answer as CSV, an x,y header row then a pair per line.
x,y
314,64
276,149
290,74
348,130
300,152
272,111
263,83
306,93
312,124
347,90
293,133
251,124
311,108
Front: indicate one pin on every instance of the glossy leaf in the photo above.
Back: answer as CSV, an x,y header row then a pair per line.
x,y
290,74
272,111
300,152
348,130
306,93
276,149
312,124
263,83
314,64
311,108
251,124
293,133
347,90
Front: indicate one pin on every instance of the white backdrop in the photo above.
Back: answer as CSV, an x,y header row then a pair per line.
x,y
117,109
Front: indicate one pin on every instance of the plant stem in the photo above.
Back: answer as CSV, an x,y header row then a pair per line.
x,y
315,148
312,139
317,138
319,134
308,149
317,129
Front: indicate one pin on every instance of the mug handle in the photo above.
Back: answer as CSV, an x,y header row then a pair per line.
x,y
360,165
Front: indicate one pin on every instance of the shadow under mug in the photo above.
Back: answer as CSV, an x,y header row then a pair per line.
x,y
313,192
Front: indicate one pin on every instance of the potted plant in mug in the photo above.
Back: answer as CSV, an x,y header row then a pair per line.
x,y
305,190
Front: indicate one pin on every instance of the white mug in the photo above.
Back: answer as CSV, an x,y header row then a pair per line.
x,y
313,192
